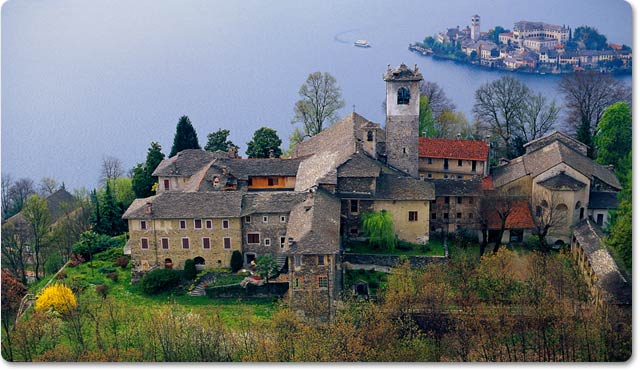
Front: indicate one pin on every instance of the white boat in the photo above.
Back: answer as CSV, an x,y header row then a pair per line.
x,y
362,44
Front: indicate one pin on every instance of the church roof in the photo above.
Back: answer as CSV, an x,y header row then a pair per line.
x,y
562,182
472,150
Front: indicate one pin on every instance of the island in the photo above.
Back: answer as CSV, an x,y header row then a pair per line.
x,y
532,47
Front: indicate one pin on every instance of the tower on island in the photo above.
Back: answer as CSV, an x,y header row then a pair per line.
x,y
403,108
475,27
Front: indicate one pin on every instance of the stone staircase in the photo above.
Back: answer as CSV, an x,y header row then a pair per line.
x,y
198,291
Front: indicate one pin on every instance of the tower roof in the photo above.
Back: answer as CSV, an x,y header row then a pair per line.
x,y
403,73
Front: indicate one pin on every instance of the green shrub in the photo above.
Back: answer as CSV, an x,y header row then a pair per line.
x,y
53,263
236,261
190,271
91,243
158,281
102,290
95,281
122,261
113,276
106,270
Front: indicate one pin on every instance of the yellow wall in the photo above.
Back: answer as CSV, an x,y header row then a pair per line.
x,y
436,168
263,182
406,230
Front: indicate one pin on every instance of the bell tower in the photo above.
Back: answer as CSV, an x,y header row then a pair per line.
x,y
403,108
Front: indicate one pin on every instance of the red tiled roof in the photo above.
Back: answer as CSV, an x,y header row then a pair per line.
x,y
472,150
519,217
487,183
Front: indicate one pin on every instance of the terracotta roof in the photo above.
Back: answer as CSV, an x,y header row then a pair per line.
x,y
487,183
519,217
472,150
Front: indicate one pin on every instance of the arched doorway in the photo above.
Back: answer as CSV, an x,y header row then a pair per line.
x,y
200,264
168,263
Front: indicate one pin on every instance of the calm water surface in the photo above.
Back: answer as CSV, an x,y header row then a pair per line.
x,y
81,80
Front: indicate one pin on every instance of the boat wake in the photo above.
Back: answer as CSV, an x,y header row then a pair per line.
x,y
339,37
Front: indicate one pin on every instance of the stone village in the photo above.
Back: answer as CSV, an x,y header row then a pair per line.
x,y
304,210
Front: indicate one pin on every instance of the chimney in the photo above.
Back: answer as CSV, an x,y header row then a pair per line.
x,y
233,152
149,209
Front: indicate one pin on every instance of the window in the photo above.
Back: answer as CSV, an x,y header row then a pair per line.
x,y
183,224
273,181
323,282
166,184
320,260
165,243
429,160
459,177
516,235
459,215
459,200
581,213
429,175
446,164
185,243
283,219
267,242
459,162
283,241
298,260
446,200
225,224
296,283
247,219
600,219
413,216
403,96
209,224
227,243
143,225
433,215
354,231
197,224
250,181
253,238
369,135
470,200
446,176
473,166
144,243
354,206
265,219
446,216
470,215
206,243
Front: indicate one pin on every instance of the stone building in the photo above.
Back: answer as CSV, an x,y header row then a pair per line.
x,y
452,158
455,206
556,172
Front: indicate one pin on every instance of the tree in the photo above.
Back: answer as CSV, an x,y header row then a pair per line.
x,y
12,293
438,100
15,238
426,123
36,212
590,38
107,216
143,180
236,261
264,141
48,186
587,94
190,271
296,137
503,205
6,197
547,216
57,297
613,138
538,117
218,140
111,169
267,267
185,138
450,124
378,227
494,34
498,107
321,100
18,194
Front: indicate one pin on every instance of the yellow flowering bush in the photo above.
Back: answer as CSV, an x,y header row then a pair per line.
x,y
57,296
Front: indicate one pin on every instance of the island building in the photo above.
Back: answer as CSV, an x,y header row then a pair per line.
x,y
475,27
304,210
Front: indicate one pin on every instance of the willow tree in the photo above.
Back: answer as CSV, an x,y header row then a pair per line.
x,y
378,226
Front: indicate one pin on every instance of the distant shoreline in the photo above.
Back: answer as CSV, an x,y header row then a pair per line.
x,y
416,49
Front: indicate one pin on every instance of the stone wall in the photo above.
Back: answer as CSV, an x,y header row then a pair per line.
x,y
390,260
273,229
305,293
236,291
349,220
356,185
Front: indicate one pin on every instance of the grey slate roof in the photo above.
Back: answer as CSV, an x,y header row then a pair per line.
x,y
536,162
616,289
271,202
243,168
447,187
603,200
402,73
402,187
186,162
359,165
173,205
562,182
58,203
314,225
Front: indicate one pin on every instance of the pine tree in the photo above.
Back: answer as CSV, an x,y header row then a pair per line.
x,y
185,138
142,179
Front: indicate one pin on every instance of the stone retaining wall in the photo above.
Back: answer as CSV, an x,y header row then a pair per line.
x,y
390,260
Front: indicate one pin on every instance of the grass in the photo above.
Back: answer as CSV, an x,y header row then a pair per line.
x,y
376,280
433,248
233,312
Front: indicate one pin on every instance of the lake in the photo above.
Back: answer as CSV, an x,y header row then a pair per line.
x,y
83,80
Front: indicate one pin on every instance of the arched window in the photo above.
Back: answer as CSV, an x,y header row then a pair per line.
x,y
544,203
562,210
199,260
404,95
369,135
